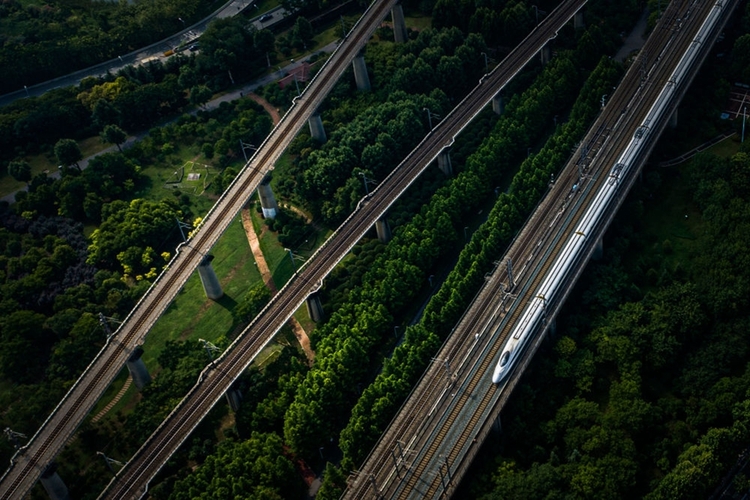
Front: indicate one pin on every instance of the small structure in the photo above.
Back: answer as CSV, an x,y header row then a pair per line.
x,y
299,74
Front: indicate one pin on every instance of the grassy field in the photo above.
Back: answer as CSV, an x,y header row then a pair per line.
x,y
192,316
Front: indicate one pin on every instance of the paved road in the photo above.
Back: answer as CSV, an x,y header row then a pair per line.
x,y
229,9
229,96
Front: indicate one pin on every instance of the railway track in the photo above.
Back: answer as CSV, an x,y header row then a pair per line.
x,y
31,460
132,481
430,443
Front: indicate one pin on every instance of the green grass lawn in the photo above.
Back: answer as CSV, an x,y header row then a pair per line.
x,y
47,163
192,316
418,22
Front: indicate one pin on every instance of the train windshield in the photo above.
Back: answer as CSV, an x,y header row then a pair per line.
x,y
504,359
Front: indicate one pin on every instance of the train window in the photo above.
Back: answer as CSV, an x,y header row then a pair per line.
x,y
504,358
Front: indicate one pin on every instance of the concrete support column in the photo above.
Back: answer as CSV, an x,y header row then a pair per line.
x,y
53,484
383,230
497,425
267,199
316,127
444,162
211,284
673,119
314,307
137,369
578,20
546,54
552,327
360,73
234,398
598,249
498,104
399,24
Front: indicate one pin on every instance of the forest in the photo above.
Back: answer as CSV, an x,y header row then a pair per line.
x,y
649,397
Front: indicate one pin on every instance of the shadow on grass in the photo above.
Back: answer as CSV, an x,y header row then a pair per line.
x,y
227,302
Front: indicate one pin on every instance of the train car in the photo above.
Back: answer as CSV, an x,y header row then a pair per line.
x,y
571,253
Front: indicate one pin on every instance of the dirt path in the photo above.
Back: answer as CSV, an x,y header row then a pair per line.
x,y
265,273
116,400
275,115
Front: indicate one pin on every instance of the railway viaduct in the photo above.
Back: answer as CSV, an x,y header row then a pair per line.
x,y
35,458
429,445
132,481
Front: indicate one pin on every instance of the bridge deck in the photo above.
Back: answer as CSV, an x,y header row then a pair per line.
x,y
430,444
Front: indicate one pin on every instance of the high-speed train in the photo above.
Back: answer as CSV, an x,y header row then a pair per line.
x,y
571,253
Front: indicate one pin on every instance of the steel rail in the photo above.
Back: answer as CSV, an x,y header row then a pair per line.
x,y
133,479
376,478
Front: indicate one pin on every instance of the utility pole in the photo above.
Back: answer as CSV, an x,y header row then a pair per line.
x,y
210,348
13,437
744,115
110,461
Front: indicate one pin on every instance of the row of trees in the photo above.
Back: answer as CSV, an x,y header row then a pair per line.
x,y
346,344
138,96
648,397
374,410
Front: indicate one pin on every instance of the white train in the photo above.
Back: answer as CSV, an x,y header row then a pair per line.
x,y
571,253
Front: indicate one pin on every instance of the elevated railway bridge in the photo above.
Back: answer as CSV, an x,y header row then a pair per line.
x,y
132,481
429,445
31,460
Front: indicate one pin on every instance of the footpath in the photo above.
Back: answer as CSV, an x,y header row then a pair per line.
x,y
254,242
231,95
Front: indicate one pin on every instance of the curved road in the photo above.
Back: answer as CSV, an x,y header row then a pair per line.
x,y
32,459
229,9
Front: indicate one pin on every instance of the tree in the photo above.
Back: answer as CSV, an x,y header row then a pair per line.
x,y
114,134
255,468
188,77
252,302
20,170
68,153
22,345
208,150
199,95
303,30
104,113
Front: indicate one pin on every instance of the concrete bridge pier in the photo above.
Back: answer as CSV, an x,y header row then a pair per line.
x,y
314,307
444,162
578,20
316,127
552,328
53,484
598,249
360,73
497,426
210,282
546,54
498,104
673,119
234,398
267,200
399,24
137,369
383,230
